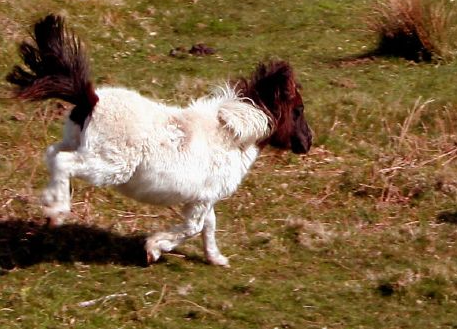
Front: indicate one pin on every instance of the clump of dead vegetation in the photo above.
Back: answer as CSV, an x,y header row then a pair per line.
x,y
419,30
415,148
418,161
314,235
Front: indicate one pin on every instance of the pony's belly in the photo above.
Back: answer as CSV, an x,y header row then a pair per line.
x,y
156,184
154,194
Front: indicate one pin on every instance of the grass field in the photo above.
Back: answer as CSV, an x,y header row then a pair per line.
x,y
359,233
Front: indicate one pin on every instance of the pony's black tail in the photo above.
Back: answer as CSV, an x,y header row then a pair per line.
x,y
57,67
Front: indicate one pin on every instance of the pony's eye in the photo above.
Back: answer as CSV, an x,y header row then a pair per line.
x,y
298,111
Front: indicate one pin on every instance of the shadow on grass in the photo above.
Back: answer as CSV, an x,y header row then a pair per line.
x,y
25,243
368,57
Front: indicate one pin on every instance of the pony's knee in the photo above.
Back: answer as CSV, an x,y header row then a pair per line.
x,y
52,150
50,155
59,160
193,227
195,215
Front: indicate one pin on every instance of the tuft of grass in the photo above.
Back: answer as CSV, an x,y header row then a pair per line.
x,y
419,30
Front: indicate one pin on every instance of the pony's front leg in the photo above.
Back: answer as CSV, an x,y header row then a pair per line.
x,y
194,215
56,196
212,253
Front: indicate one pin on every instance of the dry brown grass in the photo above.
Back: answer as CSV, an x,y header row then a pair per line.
x,y
418,161
419,30
312,234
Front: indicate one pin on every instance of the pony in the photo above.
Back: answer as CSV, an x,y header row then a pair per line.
x,y
153,152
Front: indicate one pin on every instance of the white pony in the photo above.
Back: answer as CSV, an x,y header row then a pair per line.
x,y
152,152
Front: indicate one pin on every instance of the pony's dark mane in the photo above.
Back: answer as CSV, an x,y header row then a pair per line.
x,y
273,88
56,67
270,87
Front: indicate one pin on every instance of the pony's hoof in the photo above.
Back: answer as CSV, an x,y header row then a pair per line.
x,y
54,218
152,256
152,252
219,260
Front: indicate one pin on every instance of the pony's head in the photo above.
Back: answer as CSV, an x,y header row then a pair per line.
x,y
273,88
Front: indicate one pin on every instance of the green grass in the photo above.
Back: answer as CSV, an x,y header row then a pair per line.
x,y
360,233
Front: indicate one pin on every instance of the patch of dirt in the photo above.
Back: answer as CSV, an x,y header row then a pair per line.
x,y
354,61
199,49
11,30
449,217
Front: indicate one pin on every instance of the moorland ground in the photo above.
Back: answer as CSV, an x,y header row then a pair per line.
x,y
359,233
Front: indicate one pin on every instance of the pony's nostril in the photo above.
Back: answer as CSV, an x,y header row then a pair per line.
x,y
300,145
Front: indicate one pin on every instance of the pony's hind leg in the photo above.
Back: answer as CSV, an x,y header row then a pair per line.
x,y
56,196
85,164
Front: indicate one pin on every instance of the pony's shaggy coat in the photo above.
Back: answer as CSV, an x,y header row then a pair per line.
x,y
152,152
